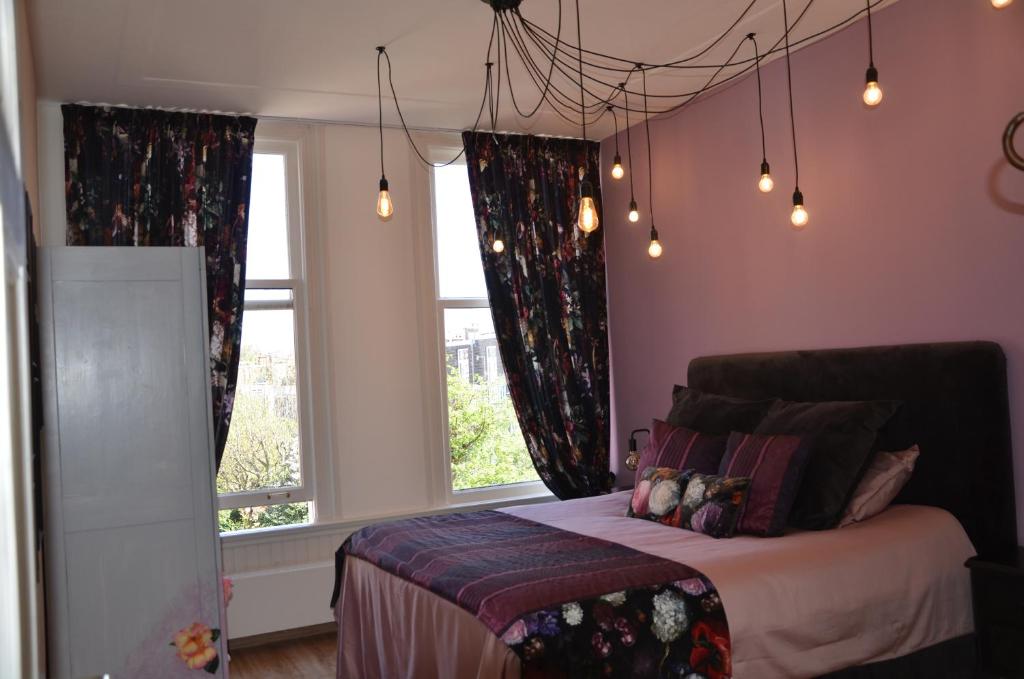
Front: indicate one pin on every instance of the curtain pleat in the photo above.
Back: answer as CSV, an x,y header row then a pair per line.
x,y
547,298
144,177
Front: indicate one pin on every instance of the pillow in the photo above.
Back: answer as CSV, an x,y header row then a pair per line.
x,y
844,438
882,482
713,413
682,448
775,464
703,503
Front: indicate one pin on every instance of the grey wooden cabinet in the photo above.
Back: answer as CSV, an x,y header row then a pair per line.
x,y
132,547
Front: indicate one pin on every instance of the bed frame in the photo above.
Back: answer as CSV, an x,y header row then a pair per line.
x,y
955,407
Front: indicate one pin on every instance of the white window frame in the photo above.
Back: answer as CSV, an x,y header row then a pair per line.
x,y
297,284
521,490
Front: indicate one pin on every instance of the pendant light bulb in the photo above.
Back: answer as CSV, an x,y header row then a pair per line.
x,y
634,214
766,183
999,4
872,91
618,172
799,218
385,208
654,250
587,219
499,245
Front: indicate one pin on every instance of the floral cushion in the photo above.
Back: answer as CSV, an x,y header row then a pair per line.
x,y
703,503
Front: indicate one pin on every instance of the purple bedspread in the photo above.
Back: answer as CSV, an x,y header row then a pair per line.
x,y
568,604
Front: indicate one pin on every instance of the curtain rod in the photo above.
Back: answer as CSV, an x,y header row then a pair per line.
x,y
306,121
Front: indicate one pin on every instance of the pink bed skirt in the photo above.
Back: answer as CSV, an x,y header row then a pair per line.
x,y
389,628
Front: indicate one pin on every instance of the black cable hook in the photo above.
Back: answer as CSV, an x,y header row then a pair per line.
x,y
1012,154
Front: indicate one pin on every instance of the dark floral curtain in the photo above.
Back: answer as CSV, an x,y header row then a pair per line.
x,y
547,297
145,177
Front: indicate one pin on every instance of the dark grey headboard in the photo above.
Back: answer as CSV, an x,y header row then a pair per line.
x,y
956,409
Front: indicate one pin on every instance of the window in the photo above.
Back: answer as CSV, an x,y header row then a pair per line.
x,y
483,443
264,478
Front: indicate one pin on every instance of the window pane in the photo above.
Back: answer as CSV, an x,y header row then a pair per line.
x,y
263,516
460,270
263,442
486,444
267,250
267,295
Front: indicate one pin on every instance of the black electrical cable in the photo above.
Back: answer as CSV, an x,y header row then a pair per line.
x,y
557,96
871,39
774,49
760,102
789,81
558,99
405,127
650,162
629,146
695,93
380,112
680,64
555,52
562,67
583,103
615,121
693,57
508,74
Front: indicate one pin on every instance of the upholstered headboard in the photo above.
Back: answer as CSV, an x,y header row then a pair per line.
x,y
956,409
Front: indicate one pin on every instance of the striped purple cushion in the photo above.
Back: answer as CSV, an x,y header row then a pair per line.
x,y
775,463
682,448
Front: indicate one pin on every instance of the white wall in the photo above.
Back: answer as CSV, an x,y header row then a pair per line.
x,y
374,326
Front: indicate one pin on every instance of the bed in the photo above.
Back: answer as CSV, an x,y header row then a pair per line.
x,y
888,597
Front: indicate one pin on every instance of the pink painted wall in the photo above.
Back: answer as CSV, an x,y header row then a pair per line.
x,y
917,221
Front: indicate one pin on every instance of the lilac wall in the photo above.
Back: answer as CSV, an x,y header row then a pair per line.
x,y
917,221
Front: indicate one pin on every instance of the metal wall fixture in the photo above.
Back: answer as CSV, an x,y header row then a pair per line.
x,y
1012,154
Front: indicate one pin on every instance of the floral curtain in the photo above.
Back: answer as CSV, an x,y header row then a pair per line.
x,y
547,297
143,177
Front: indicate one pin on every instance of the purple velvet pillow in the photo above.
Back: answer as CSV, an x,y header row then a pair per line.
x,y
775,464
682,448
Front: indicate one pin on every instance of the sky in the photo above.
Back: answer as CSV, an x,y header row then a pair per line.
x,y
460,271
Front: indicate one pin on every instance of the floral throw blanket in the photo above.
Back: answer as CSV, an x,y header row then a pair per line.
x,y
569,605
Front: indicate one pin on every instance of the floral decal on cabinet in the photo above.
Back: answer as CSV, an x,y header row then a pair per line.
x,y
195,647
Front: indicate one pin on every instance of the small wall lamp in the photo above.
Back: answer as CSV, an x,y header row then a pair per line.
x,y
633,459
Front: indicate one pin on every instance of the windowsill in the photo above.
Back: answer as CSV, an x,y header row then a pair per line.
x,y
524,490
351,524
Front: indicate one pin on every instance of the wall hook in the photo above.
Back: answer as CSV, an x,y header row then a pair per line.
x,y
1012,155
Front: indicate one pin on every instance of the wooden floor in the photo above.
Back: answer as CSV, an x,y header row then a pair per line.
x,y
309,658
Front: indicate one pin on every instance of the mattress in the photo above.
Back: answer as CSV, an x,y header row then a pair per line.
x,y
800,605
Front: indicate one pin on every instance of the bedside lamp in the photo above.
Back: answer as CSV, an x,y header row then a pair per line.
x,y
633,459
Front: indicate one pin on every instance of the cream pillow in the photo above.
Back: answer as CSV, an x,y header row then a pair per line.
x,y
882,482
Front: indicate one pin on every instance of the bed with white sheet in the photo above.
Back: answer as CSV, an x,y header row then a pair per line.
x,y
887,597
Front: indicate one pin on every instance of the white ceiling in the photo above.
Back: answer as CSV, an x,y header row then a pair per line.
x,y
315,59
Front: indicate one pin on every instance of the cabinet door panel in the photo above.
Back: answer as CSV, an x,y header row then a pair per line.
x,y
121,381
132,545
